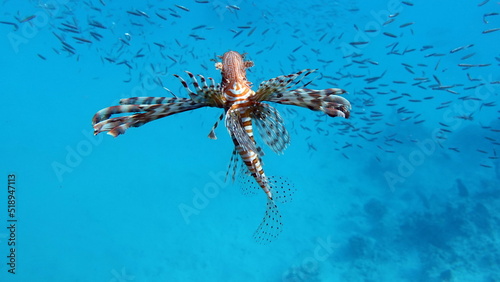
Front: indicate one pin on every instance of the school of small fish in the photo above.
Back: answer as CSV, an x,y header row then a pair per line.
x,y
445,91
243,107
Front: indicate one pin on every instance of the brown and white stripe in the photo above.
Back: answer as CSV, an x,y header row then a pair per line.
x,y
239,105
242,107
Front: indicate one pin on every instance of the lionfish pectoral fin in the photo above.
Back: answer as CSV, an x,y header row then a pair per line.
x,y
337,111
236,130
147,100
271,127
114,126
209,94
326,100
273,87
144,114
278,90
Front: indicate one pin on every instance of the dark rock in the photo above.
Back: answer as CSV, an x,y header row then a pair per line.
x,y
445,275
375,209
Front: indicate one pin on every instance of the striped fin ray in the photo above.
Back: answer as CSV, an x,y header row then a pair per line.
x,y
234,163
212,135
326,100
107,112
271,127
146,100
274,86
206,93
145,113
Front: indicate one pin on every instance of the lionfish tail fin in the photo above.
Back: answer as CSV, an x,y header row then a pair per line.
x,y
271,225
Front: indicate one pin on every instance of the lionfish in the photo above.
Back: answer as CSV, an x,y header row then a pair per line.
x,y
243,107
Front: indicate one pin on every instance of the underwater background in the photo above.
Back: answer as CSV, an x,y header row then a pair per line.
x,y
406,189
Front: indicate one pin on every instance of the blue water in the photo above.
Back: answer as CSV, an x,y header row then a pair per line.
x,y
406,189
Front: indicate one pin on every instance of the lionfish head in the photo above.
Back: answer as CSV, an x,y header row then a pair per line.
x,y
234,66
